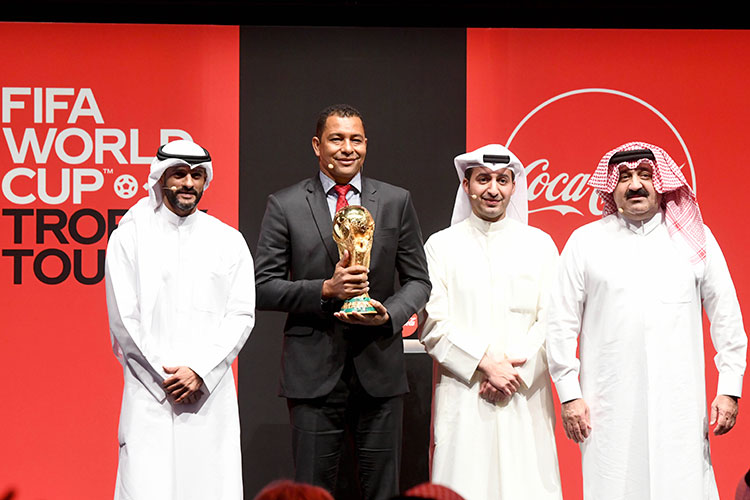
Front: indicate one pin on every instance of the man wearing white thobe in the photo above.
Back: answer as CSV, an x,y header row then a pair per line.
x,y
486,325
632,285
180,297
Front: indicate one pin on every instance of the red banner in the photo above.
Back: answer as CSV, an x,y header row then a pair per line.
x,y
84,108
560,99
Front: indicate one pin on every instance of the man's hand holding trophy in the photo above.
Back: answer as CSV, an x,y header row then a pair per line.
x,y
353,230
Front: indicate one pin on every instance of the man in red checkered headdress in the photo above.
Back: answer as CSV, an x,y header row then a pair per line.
x,y
632,285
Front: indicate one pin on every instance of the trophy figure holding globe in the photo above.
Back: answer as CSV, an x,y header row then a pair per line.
x,y
353,229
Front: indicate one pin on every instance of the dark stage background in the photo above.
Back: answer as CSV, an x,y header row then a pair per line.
x,y
410,86
721,14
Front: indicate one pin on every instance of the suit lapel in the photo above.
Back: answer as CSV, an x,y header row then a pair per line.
x,y
369,199
322,216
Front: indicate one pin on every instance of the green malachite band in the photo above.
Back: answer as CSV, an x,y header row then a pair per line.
x,y
358,304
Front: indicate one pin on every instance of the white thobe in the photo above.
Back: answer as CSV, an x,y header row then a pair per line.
x,y
489,284
180,292
636,301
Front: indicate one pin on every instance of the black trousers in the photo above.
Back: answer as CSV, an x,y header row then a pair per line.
x,y
319,433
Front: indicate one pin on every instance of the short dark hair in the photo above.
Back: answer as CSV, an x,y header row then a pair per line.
x,y
342,110
468,171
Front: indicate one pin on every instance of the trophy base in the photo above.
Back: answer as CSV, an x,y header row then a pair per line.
x,y
359,305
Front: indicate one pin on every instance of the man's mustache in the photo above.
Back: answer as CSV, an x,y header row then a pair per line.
x,y
175,190
639,192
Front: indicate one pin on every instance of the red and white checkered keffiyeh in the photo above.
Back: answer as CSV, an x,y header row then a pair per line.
x,y
681,212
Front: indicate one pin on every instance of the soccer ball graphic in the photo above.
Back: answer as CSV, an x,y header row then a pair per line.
x,y
126,186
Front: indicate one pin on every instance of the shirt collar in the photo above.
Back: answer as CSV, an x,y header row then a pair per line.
x,y
643,227
328,183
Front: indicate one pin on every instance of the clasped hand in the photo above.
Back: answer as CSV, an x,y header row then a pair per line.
x,y
501,380
184,384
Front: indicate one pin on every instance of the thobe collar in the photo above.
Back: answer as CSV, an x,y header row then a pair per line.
x,y
643,227
172,218
487,227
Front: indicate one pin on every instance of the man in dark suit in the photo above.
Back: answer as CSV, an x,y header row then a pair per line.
x,y
342,370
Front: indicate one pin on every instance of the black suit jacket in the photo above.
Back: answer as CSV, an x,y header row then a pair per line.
x,y
296,253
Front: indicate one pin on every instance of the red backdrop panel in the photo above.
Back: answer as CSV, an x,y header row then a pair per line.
x,y
562,98
93,103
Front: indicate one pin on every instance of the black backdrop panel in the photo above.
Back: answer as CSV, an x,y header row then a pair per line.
x,y
410,86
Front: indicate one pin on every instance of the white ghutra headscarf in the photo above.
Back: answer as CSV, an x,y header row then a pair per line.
x,y
494,157
172,154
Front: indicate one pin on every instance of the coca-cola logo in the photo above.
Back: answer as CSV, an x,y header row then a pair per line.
x,y
563,191
562,139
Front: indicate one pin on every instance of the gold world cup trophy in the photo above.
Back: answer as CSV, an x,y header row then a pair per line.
x,y
353,230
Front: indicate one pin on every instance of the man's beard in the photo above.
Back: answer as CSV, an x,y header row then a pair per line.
x,y
177,204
